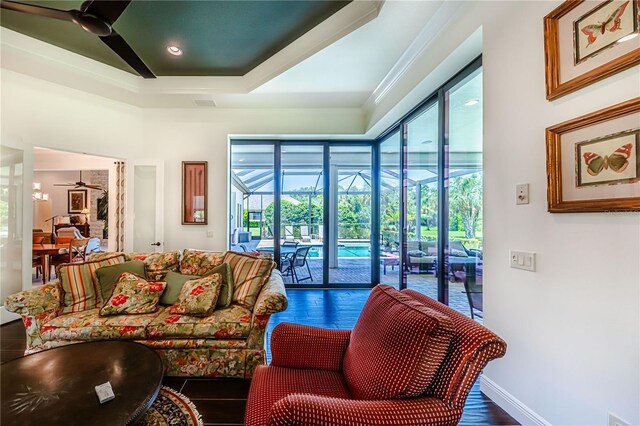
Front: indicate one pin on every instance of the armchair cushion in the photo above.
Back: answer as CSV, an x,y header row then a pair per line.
x,y
313,410
302,346
396,347
271,384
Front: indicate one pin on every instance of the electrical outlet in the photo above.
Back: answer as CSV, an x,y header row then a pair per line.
x,y
522,260
209,234
616,421
522,193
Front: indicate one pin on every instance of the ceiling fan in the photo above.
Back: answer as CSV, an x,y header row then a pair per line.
x,y
96,17
79,184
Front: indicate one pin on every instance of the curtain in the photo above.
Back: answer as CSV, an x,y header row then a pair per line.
x,y
120,205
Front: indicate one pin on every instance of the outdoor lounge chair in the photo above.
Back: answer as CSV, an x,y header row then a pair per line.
x,y
304,234
288,233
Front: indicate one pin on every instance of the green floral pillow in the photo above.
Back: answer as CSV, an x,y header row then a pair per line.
x,y
198,262
198,297
158,264
133,295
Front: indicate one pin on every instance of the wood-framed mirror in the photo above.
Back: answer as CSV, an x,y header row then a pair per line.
x,y
194,193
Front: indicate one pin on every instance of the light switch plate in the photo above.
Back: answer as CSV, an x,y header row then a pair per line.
x,y
522,260
522,193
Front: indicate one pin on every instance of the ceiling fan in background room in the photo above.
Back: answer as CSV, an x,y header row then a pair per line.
x,y
96,17
79,184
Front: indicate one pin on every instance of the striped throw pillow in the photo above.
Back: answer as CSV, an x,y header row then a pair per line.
x,y
249,276
79,283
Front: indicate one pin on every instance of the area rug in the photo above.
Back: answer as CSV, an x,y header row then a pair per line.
x,y
171,408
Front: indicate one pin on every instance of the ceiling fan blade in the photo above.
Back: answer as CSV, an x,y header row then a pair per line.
x,y
47,12
93,186
122,49
108,9
64,184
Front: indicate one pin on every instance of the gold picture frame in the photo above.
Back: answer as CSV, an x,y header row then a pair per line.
x,y
194,193
609,31
600,168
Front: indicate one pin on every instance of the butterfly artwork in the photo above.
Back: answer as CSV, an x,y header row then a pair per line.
x,y
611,24
610,160
608,24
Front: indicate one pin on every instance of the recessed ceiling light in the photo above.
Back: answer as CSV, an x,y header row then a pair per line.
x,y
426,142
471,102
240,160
628,37
174,50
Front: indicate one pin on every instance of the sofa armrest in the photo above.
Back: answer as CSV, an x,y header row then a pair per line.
x,y
302,346
272,297
314,410
35,301
36,306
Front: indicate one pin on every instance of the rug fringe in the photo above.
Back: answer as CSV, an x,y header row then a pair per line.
x,y
189,403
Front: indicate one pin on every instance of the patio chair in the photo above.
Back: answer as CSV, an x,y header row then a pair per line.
x,y
300,261
473,288
286,265
290,243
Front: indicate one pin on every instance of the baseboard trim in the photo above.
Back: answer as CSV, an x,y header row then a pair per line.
x,y
6,316
516,409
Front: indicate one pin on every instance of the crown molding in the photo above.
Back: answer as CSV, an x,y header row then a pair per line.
x,y
42,60
438,22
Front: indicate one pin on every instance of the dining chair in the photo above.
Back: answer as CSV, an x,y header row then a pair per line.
x,y
78,250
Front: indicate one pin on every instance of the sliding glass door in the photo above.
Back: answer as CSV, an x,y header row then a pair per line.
x,y
350,187
464,119
302,213
309,204
421,188
390,210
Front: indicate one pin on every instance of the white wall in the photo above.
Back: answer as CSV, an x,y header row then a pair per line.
x,y
573,327
36,113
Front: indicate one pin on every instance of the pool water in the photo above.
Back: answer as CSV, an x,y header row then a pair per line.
x,y
344,251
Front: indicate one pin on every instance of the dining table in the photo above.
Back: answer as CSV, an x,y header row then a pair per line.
x,y
45,251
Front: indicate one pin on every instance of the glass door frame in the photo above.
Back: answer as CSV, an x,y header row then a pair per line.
x,y
439,98
278,145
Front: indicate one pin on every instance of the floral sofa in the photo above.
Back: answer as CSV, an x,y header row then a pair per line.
x,y
227,343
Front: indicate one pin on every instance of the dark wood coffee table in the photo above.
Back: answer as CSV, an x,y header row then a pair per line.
x,y
57,386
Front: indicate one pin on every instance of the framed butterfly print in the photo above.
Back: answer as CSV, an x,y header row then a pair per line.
x,y
587,41
593,163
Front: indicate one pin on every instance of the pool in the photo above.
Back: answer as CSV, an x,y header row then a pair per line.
x,y
344,250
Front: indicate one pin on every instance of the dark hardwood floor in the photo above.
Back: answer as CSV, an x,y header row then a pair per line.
x,y
222,401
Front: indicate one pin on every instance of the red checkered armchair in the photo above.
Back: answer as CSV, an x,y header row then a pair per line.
x,y
408,361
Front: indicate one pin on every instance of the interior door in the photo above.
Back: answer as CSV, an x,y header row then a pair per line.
x,y
144,230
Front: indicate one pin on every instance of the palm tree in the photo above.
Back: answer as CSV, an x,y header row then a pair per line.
x,y
465,198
